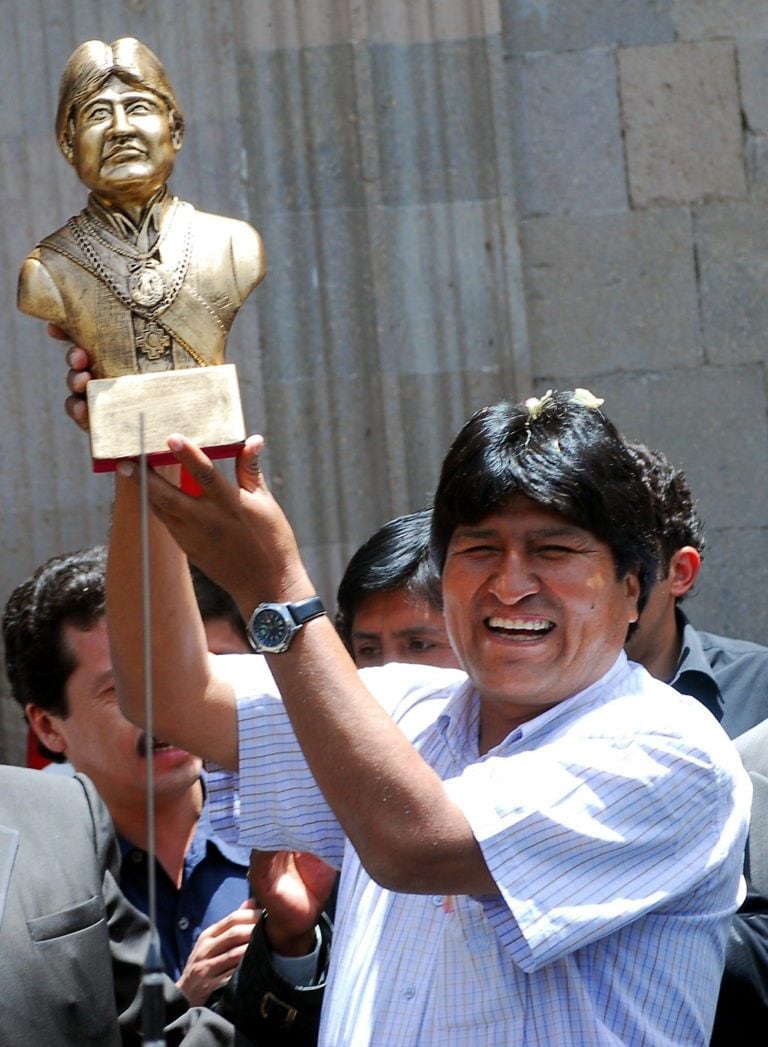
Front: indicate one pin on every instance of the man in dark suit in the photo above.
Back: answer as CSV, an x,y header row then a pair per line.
x,y
72,947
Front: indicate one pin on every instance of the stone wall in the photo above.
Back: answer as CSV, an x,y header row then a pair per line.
x,y
640,144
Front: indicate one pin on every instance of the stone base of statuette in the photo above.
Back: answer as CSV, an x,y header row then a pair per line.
x,y
202,403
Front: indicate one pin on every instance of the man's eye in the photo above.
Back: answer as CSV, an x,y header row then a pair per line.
x,y
476,550
139,108
555,550
419,644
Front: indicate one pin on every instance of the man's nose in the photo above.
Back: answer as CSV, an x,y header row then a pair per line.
x,y
120,122
513,578
390,651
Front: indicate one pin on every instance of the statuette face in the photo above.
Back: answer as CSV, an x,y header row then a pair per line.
x,y
143,281
124,142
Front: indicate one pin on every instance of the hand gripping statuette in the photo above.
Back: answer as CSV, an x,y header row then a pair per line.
x,y
146,283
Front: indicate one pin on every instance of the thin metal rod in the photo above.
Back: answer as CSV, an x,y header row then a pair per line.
x,y
146,611
153,999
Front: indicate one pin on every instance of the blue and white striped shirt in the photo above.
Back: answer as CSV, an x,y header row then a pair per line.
x,y
613,825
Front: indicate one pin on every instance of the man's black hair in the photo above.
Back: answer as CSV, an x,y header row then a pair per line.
x,y
67,590
565,456
396,556
215,602
677,517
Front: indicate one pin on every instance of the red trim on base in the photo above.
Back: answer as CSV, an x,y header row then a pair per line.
x,y
108,465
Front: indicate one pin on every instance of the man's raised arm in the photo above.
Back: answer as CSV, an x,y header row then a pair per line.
x,y
191,707
392,805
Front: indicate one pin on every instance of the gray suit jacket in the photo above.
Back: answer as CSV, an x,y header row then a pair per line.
x,y
71,945
753,749
743,1001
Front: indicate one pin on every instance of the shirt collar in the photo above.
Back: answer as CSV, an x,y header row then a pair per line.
x,y
204,836
459,722
694,674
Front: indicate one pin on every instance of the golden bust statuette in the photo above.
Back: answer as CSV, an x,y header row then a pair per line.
x,y
146,283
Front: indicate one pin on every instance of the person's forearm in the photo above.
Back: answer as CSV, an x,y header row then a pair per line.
x,y
391,804
180,660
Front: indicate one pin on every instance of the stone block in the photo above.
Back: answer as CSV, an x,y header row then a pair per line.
x,y
567,134
701,19
753,78
319,23
402,21
209,171
442,302
711,422
562,25
732,250
302,142
327,443
376,442
729,597
311,23
682,123
316,309
429,410
434,122
611,292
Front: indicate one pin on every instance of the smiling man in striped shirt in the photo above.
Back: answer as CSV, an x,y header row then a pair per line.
x,y
544,849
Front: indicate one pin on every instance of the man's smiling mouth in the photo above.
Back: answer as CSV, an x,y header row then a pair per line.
x,y
522,627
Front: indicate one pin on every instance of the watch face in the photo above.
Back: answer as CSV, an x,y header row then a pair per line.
x,y
270,630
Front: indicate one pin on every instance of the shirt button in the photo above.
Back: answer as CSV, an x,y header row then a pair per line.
x,y
437,900
137,856
183,923
409,993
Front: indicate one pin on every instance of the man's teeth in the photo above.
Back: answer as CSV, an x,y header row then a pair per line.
x,y
521,624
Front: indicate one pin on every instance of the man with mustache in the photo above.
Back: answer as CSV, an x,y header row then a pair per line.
x,y
60,669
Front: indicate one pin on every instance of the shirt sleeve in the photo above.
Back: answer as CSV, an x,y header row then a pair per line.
x,y
274,803
585,836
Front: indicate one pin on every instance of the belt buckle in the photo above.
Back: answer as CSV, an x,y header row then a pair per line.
x,y
271,1003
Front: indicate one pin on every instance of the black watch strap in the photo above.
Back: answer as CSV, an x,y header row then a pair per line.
x,y
305,610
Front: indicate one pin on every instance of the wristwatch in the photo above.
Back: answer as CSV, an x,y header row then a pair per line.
x,y
273,625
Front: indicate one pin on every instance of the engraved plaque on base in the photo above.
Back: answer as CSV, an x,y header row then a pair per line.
x,y
202,403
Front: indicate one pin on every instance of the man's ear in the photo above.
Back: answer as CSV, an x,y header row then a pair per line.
x,y
632,589
46,727
683,570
